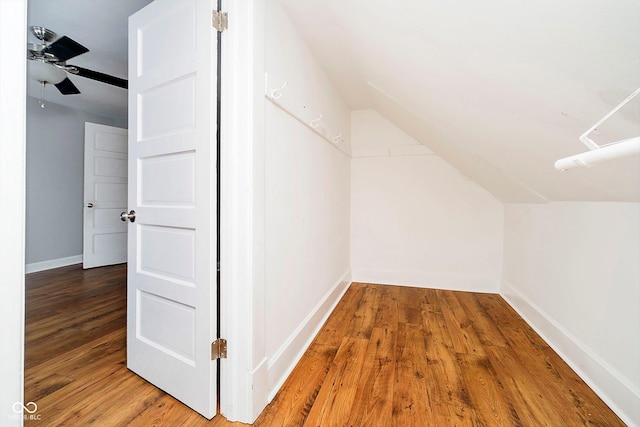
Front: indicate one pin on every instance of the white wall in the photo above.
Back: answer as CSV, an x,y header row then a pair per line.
x,y
415,220
573,270
12,191
307,206
55,159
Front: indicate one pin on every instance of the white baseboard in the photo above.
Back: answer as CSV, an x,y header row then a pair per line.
x,y
259,379
285,359
605,381
426,280
53,263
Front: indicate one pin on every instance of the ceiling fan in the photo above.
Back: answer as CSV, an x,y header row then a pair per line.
x,y
48,62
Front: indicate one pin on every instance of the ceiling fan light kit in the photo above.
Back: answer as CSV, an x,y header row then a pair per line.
x,y
47,62
44,72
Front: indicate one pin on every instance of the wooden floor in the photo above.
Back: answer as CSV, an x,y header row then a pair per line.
x,y
387,356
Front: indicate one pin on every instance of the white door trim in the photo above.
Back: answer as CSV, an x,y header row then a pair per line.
x,y
13,21
244,386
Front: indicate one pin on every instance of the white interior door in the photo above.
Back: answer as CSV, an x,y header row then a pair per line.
x,y
104,237
171,318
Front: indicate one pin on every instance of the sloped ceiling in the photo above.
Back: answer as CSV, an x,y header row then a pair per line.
x,y
99,25
500,89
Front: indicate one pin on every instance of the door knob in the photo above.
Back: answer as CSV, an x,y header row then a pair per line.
x,y
131,216
89,205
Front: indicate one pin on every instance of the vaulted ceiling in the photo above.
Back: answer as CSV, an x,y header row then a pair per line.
x,y
499,89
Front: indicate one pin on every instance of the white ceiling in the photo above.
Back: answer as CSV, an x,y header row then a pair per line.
x,y
499,89
101,26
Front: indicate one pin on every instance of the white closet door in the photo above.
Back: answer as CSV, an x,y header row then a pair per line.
x,y
171,319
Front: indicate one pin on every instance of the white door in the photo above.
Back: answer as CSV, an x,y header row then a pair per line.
x,y
104,237
171,313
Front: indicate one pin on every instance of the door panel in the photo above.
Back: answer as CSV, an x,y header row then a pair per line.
x,y
105,195
171,178
171,318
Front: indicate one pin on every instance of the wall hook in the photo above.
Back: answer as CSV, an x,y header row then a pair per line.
x,y
314,123
276,93
337,139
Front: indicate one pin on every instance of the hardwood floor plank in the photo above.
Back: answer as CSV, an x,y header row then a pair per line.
x,y
455,416
459,325
483,325
387,356
387,316
339,326
167,411
292,404
582,402
333,404
107,393
373,402
498,310
486,392
535,407
410,302
411,403
446,384
105,350
364,317
578,404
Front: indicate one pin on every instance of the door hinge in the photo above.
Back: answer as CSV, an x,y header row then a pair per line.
x,y
219,20
219,349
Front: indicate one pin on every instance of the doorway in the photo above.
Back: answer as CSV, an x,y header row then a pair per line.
x,y
245,396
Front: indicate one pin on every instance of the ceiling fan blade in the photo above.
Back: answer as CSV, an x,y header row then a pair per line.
x,y
101,77
65,48
66,87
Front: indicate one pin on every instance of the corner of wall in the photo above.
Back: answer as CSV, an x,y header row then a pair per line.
x,y
421,279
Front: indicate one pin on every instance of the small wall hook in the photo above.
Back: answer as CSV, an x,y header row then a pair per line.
x,y
337,139
314,123
276,93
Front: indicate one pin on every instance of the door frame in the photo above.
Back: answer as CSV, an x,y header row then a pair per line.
x,y
13,37
243,381
244,375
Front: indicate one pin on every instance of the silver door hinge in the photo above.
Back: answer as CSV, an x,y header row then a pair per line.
x,y
219,349
219,20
